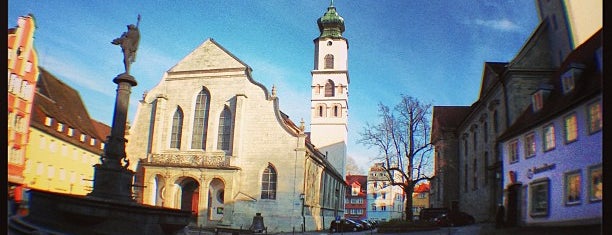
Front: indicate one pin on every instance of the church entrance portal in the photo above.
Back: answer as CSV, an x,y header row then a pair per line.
x,y
189,195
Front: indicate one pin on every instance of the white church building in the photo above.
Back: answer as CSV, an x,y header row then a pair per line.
x,y
209,138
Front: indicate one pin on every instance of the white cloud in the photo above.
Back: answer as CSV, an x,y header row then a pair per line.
x,y
500,24
69,72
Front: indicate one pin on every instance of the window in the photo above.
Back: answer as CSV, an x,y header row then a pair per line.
x,y
572,188
537,100
329,88
465,148
329,61
82,137
321,110
485,130
48,121
60,127
92,141
384,195
495,121
268,183
374,195
513,151
465,178
485,165
373,207
200,120
225,130
355,190
538,198
70,132
475,136
383,208
421,195
594,117
530,145
571,128
567,81
336,113
475,173
595,183
177,129
549,137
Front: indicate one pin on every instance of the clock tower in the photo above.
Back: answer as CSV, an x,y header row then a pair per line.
x,y
330,80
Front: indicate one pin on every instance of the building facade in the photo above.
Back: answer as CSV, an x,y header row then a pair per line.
x,y
330,80
211,139
420,199
385,201
65,142
505,93
22,77
552,155
356,203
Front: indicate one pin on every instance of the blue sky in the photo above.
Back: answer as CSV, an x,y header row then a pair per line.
x,y
431,50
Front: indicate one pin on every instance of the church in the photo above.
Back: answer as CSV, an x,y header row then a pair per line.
x,y
210,139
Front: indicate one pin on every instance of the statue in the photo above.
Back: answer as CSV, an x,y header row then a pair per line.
x,y
129,44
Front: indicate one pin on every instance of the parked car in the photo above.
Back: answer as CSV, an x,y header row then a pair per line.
x,y
366,225
428,214
374,223
452,219
345,225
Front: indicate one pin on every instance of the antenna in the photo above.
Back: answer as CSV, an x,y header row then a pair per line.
x,y
138,20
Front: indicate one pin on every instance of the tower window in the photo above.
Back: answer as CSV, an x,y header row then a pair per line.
x,y
329,89
329,61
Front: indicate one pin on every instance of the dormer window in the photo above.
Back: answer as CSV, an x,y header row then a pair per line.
x,y
60,127
537,99
92,141
82,138
70,132
48,121
568,79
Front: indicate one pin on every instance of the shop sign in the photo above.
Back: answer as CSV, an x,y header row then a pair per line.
x,y
536,170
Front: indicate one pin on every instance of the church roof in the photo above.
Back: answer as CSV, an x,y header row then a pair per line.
x,y
209,56
331,24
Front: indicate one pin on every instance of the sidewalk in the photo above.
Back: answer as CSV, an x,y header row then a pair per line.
x,y
489,229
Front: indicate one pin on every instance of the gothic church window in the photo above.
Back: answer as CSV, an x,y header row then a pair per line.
x,y
329,88
177,129
329,61
268,183
200,120
225,129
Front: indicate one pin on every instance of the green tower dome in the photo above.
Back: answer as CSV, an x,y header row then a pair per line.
x,y
331,24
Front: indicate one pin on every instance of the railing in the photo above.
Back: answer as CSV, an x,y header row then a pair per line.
x,y
189,159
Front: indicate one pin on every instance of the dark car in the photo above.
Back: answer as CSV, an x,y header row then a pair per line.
x,y
454,219
366,225
428,214
344,225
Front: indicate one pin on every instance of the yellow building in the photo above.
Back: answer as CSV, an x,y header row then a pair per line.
x,y
64,141
420,199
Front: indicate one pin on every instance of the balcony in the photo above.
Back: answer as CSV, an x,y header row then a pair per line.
x,y
200,159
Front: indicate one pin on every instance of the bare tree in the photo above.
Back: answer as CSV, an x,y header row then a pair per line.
x,y
352,168
402,138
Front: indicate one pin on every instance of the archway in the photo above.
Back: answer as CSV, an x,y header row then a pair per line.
x,y
159,187
216,199
189,195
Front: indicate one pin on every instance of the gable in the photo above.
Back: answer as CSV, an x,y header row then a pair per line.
x,y
209,56
535,53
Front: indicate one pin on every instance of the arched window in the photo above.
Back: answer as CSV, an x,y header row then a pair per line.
x,y
225,130
329,88
329,61
320,111
336,111
177,129
268,183
200,120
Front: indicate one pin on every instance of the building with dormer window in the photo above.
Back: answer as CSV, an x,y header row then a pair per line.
x,y
552,154
356,203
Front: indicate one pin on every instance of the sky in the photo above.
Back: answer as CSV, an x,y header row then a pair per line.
x,y
432,50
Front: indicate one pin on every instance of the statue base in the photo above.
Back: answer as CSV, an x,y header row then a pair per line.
x,y
114,183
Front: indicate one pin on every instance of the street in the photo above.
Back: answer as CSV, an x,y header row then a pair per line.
x,y
465,230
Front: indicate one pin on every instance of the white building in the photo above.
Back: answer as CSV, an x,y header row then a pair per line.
x,y
385,202
211,139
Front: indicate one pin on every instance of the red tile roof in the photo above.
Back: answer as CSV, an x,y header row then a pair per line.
x,y
57,100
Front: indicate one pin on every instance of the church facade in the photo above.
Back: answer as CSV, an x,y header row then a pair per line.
x,y
210,139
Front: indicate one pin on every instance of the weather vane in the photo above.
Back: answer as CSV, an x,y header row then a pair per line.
x,y
129,44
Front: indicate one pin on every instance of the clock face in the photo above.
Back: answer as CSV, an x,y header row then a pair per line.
x,y
329,43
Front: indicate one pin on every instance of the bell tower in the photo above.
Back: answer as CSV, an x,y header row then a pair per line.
x,y
330,80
